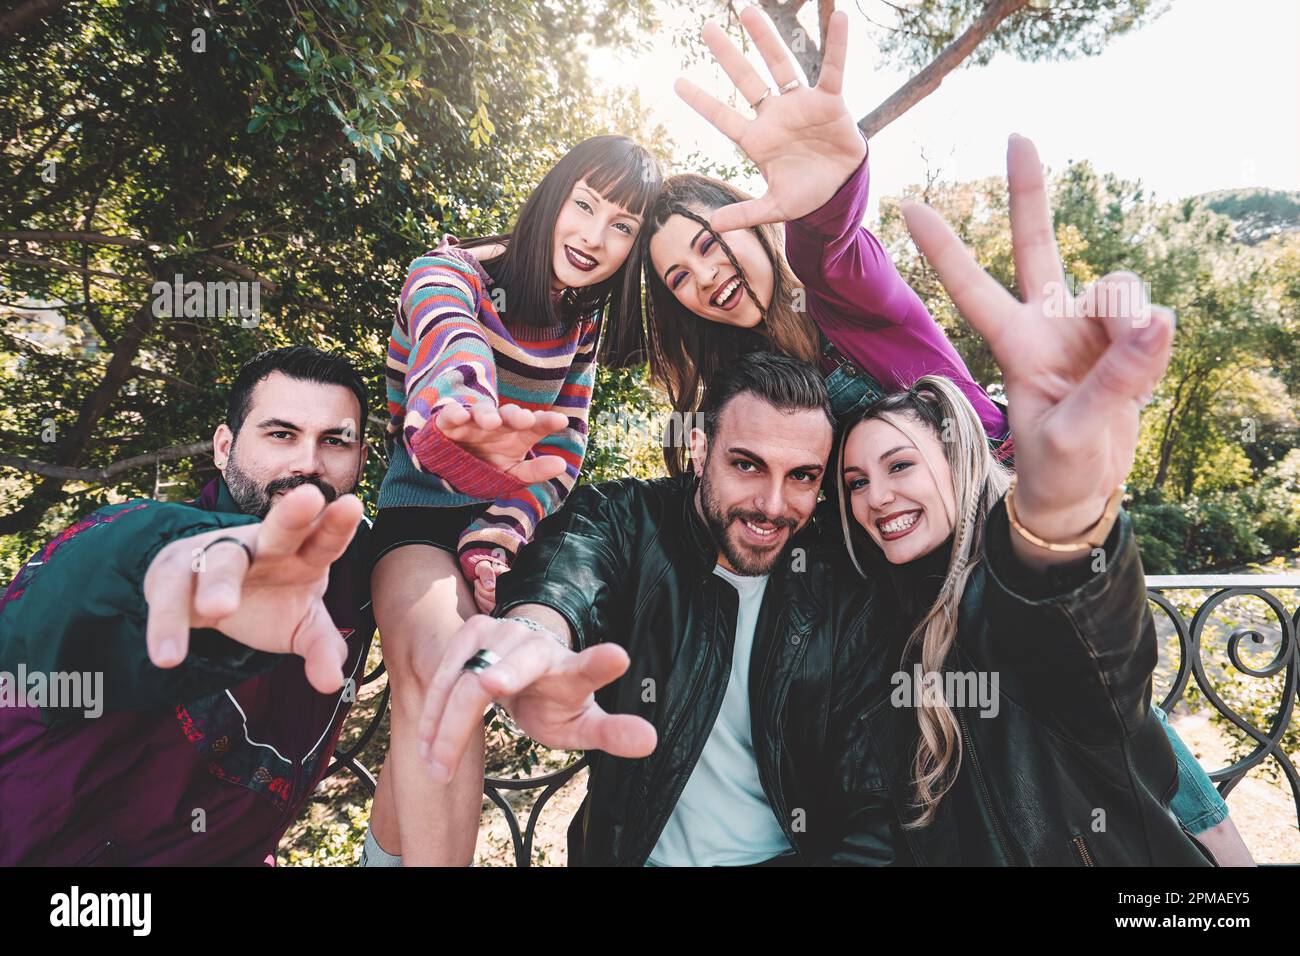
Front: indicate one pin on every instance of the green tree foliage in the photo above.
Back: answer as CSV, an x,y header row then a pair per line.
x,y
1258,213
314,148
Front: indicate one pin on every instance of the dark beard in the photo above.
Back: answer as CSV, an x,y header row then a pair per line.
x,y
255,499
745,563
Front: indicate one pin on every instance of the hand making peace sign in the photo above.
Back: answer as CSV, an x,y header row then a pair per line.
x,y
1077,369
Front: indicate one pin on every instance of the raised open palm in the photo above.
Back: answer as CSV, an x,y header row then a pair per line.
x,y
804,141
1077,370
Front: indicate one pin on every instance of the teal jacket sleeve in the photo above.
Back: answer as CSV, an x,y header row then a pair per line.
x,y
78,606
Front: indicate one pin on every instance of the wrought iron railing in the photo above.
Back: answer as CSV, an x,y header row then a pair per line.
x,y
1191,667
1219,589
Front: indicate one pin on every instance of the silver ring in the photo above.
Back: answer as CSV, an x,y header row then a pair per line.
x,y
790,86
481,661
759,102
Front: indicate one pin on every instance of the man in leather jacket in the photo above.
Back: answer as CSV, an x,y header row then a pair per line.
x,y
763,661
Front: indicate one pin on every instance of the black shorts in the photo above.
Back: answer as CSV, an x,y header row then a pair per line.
x,y
437,527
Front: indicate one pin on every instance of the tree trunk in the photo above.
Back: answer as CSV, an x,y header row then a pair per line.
x,y
802,47
1168,436
809,54
70,449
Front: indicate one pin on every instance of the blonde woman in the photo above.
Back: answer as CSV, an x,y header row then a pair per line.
x,y
921,483
1019,727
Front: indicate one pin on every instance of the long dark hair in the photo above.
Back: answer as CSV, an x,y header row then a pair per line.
x,y
685,350
624,173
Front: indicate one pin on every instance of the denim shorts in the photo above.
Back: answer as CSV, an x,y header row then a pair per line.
x,y
1197,803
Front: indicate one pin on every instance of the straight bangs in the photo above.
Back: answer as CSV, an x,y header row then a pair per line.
x,y
624,173
628,176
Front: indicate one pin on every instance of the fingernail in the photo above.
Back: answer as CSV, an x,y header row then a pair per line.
x,y
490,585
439,773
169,652
424,751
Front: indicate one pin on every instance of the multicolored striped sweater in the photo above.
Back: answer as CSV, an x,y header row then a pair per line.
x,y
449,345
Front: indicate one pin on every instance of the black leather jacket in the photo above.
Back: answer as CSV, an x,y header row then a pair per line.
x,y
1074,769
631,561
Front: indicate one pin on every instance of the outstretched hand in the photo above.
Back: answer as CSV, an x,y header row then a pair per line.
x,y
547,688
503,436
804,141
274,603
1077,369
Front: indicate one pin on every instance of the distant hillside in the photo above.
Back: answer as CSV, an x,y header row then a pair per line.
x,y
1258,213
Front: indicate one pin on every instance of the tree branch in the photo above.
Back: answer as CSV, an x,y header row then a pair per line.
x,y
824,10
131,242
76,270
806,52
74,442
101,476
928,79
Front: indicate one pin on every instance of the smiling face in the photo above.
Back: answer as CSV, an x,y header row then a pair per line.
x,y
697,272
592,238
760,474
903,506
295,433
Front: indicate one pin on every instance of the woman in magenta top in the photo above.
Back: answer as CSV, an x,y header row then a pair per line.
x,y
828,293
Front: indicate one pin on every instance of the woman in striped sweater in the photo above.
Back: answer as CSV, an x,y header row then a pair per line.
x,y
490,371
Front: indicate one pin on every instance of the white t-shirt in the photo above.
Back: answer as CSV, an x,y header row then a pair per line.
x,y
722,817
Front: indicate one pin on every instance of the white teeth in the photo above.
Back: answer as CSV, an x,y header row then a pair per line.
x,y
727,292
583,258
758,530
900,524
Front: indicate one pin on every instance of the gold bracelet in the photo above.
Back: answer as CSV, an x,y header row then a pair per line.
x,y
1091,537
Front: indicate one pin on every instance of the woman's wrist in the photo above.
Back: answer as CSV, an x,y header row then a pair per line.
x,y
1047,534
852,162
1058,522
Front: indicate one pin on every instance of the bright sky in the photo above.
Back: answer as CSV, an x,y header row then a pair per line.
x,y
1206,97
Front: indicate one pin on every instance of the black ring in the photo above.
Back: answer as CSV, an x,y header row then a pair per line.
x,y
226,537
481,661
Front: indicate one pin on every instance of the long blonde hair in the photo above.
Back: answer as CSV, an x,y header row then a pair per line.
x,y
979,481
